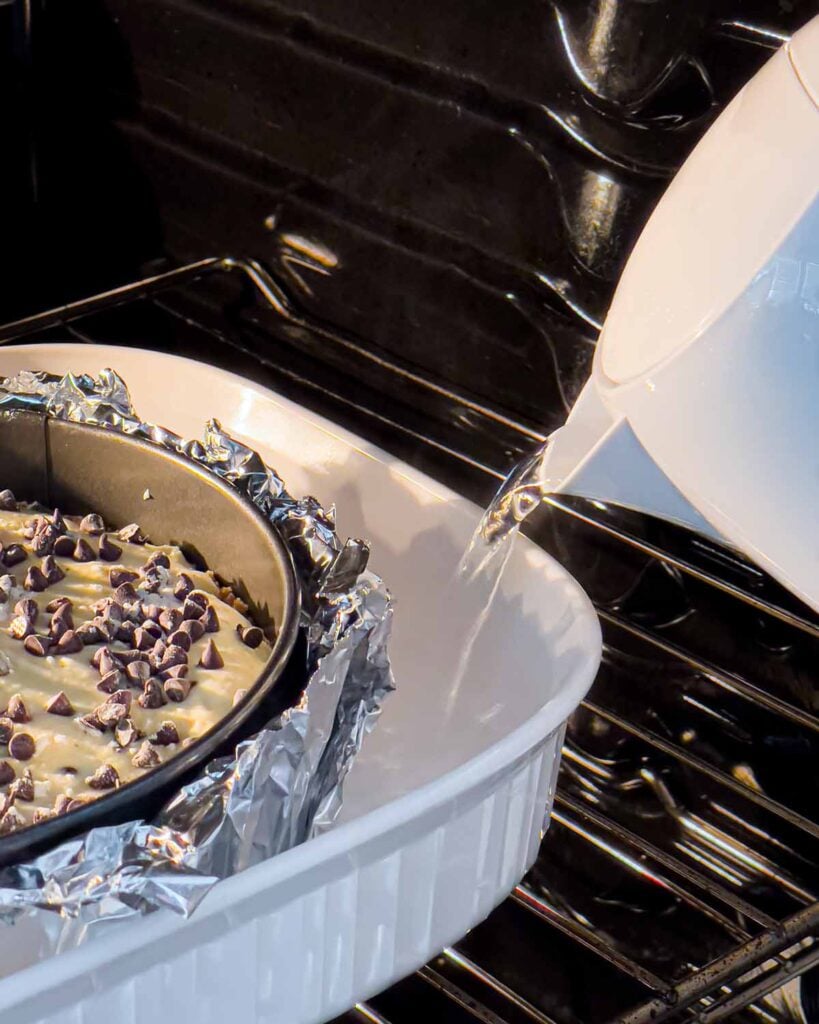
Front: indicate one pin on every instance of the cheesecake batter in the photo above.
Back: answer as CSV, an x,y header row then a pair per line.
x,y
114,653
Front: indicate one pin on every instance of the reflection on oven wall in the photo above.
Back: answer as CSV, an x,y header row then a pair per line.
x,y
478,176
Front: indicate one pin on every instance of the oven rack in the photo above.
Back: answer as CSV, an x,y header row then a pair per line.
x,y
751,914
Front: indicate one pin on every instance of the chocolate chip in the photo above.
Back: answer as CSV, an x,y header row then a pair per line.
x,y
143,640
57,521
65,548
91,722
126,657
22,746
54,605
158,559
145,757
183,587
32,526
27,607
211,658
23,788
177,689
210,620
251,636
108,551
131,534
8,503
7,773
105,777
38,644
166,734
42,543
51,570
69,643
41,814
61,621
14,554
17,710
60,705
110,610
151,611
239,696
173,656
83,552
7,585
125,732
125,632
93,524
152,695
192,609
200,599
119,576
107,628
194,629
153,628
35,580
62,804
174,672
138,671
111,681
105,661
6,729
150,584
20,627
180,639
120,697
11,821
88,633
109,714
170,619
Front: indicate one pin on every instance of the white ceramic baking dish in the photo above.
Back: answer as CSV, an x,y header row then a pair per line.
x,y
447,802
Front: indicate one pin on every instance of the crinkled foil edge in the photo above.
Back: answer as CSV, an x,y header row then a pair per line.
x,y
284,784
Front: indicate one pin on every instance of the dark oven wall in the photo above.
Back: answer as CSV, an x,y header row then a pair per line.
x,y
457,184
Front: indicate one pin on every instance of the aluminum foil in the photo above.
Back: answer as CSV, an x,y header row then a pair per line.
x,y
284,784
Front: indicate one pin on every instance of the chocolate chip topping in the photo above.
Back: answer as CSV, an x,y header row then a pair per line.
x,y
170,619
143,640
41,814
22,746
93,524
194,629
35,580
62,804
145,757
210,620
52,606
106,661
7,773
166,734
252,636
83,552
88,633
177,689
23,788
61,621
21,627
69,643
117,577
211,658
51,570
132,534
183,586
151,611
11,821
38,645
6,729
138,671
108,550
180,639
239,696
158,559
125,732
8,503
192,609
60,705
105,777
174,672
126,631
111,681
152,695
65,548
109,714
153,628
14,554
17,710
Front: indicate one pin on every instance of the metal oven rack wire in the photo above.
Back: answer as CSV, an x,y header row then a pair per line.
x,y
680,878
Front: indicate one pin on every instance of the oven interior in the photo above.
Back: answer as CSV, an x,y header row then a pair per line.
x,y
412,219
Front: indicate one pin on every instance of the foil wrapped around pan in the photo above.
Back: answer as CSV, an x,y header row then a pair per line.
x,y
284,784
